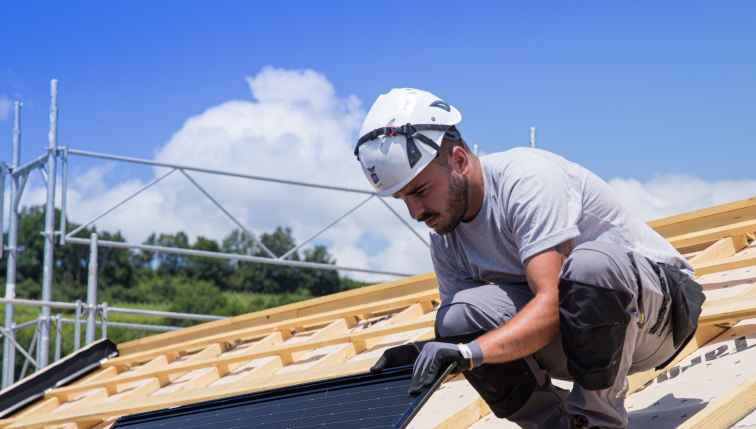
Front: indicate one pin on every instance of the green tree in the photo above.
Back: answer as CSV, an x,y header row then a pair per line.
x,y
322,282
216,271
196,296
247,276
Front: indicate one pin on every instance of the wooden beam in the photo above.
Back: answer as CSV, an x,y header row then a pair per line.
x,y
252,369
225,360
707,218
728,310
158,368
466,416
455,404
712,234
727,264
352,298
412,312
695,227
135,390
119,408
723,248
266,329
726,410
41,407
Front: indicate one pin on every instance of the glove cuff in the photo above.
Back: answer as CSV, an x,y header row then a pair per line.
x,y
476,354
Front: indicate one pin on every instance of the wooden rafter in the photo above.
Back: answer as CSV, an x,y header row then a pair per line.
x,y
711,217
331,336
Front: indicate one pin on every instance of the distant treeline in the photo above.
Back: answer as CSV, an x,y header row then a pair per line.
x,y
185,283
164,282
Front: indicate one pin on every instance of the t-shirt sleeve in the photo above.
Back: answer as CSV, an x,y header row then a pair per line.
x,y
450,278
543,204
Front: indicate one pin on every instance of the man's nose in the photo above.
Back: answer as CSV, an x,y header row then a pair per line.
x,y
415,208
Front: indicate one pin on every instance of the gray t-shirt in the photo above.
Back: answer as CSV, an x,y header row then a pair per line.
x,y
535,200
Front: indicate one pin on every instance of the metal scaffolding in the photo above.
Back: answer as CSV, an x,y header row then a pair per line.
x,y
88,311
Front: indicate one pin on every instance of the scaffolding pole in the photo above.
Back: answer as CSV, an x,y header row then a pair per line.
x,y
19,175
9,350
43,349
92,289
532,137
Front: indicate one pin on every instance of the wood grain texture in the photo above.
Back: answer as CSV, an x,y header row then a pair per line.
x,y
706,218
712,234
728,310
98,413
338,301
723,248
726,264
466,416
726,410
234,333
716,234
260,331
233,358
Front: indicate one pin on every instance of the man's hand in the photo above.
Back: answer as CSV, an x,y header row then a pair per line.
x,y
433,360
397,356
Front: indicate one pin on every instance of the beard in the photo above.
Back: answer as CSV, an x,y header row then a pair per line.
x,y
456,206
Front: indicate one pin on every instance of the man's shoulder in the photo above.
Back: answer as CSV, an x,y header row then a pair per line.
x,y
522,158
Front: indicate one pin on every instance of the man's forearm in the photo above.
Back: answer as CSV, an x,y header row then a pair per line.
x,y
529,331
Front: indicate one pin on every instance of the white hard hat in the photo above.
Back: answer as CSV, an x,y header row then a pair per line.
x,y
401,135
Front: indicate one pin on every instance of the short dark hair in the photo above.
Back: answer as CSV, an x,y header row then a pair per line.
x,y
446,148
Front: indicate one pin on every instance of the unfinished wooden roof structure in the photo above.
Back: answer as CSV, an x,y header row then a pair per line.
x,y
712,383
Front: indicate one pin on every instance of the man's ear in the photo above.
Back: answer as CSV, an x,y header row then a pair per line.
x,y
458,160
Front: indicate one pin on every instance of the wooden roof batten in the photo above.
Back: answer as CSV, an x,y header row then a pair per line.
x,y
345,333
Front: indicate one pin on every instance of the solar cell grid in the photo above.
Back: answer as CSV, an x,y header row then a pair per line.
x,y
360,401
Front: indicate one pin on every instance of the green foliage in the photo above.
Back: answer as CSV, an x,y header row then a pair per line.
x,y
345,283
167,282
199,297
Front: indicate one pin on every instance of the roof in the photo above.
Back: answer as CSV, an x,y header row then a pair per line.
x,y
365,401
343,334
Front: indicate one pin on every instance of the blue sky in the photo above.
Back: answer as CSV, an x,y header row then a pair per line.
x,y
628,89
656,98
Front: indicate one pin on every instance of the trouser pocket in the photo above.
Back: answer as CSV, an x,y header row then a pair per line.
x,y
687,300
593,322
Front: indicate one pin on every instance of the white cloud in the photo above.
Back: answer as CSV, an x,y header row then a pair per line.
x,y
297,129
673,194
5,107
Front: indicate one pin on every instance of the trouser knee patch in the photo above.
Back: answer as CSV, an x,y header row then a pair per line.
x,y
505,387
593,321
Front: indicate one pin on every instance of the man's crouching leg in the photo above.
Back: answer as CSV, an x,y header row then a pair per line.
x,y
520,391
598,322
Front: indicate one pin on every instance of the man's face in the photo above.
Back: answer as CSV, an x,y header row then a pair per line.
x,y
438,196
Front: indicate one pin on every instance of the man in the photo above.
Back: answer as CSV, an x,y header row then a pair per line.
x,y
543,273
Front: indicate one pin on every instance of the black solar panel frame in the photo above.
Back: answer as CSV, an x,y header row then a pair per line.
x,y
61,373
155,419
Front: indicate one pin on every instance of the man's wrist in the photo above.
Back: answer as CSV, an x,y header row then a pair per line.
x,y
472,352
477,353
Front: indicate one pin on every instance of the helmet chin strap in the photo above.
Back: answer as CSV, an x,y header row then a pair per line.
x,y
411,132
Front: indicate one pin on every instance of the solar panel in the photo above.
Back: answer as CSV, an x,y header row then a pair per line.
x,y
60,373
363,401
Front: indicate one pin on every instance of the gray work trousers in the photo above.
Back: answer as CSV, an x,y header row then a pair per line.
x,y
601,341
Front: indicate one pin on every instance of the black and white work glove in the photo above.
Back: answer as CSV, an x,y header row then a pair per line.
x,y
436,357
397,356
